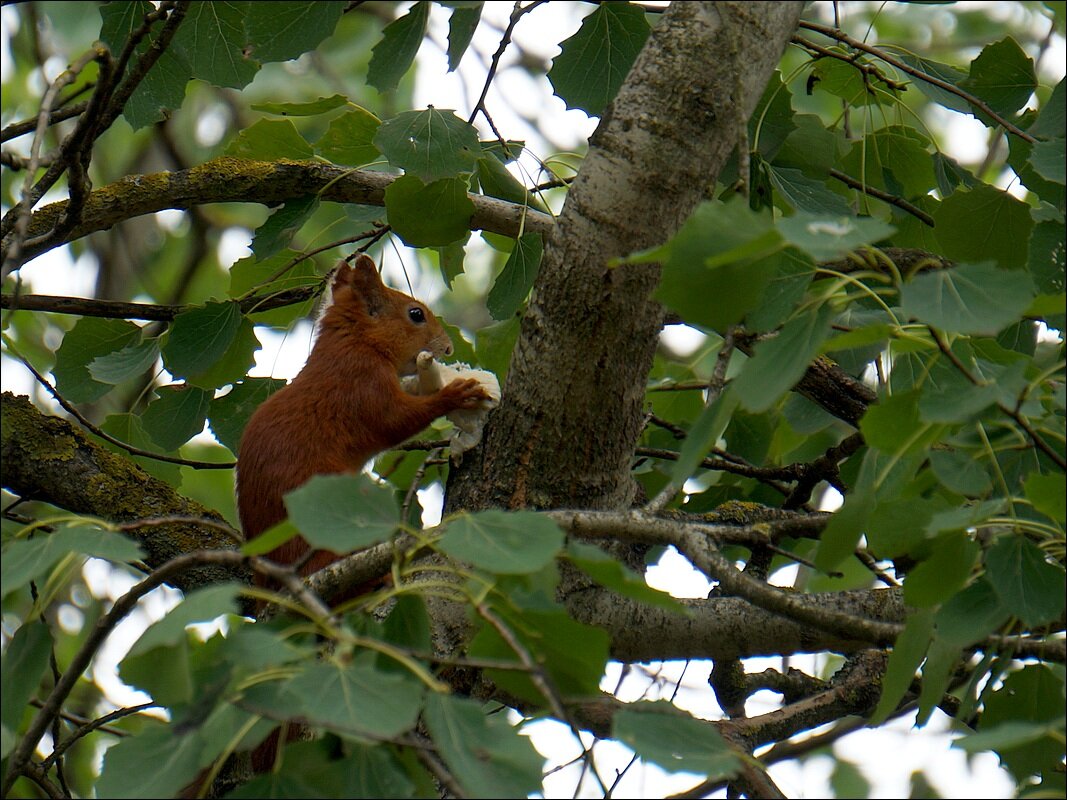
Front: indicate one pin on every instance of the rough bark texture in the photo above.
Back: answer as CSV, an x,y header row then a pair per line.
x,y
46,458
228,179
572,409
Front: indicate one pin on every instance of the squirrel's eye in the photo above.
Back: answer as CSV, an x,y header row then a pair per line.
x,y
416,315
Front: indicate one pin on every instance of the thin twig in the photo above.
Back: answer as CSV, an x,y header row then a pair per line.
x,y
517,13
878,194
1039,442
841,36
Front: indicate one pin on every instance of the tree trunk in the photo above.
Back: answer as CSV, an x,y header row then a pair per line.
x,y
572,412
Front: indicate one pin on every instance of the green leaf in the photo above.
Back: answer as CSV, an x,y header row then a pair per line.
x,y
825,237
847,780
984,223
163,672
158,662
977,299
284,31
801,193
793,272
509,543
131,361
739,241
175,762
1010,735
343,513
350,138
496,181
514,282
396,51
1045,493
1028,585
494,344
451,258
572,653
25,659
211,39
1050,122
774,122
846,81
943,573
202,605
120,20
890,424
892,161
941,660
310,109
900,526
777,364
1033,694
484,752
127,428
357,699
176,416
90,339
230,413
613,574
808,146
234,362
963,517
1003,76
706,430
200,337
949,396
949,175
31,559
943,72
961,472
429,215
282,225
269,140
971,615
461,27
908,653
1049,160
671,739
430,144
282,271
275,536
594,62
845,527
163,88
1047,262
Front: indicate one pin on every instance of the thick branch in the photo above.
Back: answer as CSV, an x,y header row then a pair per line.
x,y
229,180
46,458
726,627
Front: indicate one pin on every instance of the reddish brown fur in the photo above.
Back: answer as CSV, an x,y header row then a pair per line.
x,y
346,405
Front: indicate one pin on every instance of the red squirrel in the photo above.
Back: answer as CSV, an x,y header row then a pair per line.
x,y
346,405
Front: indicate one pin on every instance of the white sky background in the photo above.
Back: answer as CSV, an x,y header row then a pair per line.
x,y
887,757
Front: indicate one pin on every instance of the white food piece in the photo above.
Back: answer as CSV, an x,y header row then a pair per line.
x,y
431,375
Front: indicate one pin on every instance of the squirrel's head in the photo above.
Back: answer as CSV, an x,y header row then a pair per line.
x,y
395,324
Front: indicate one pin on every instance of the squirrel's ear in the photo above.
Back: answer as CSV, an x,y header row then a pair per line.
x,y
366,283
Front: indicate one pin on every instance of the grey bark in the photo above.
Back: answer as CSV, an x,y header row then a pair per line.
x,y
572,408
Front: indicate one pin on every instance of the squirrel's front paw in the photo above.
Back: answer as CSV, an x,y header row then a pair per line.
x,y
466,393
